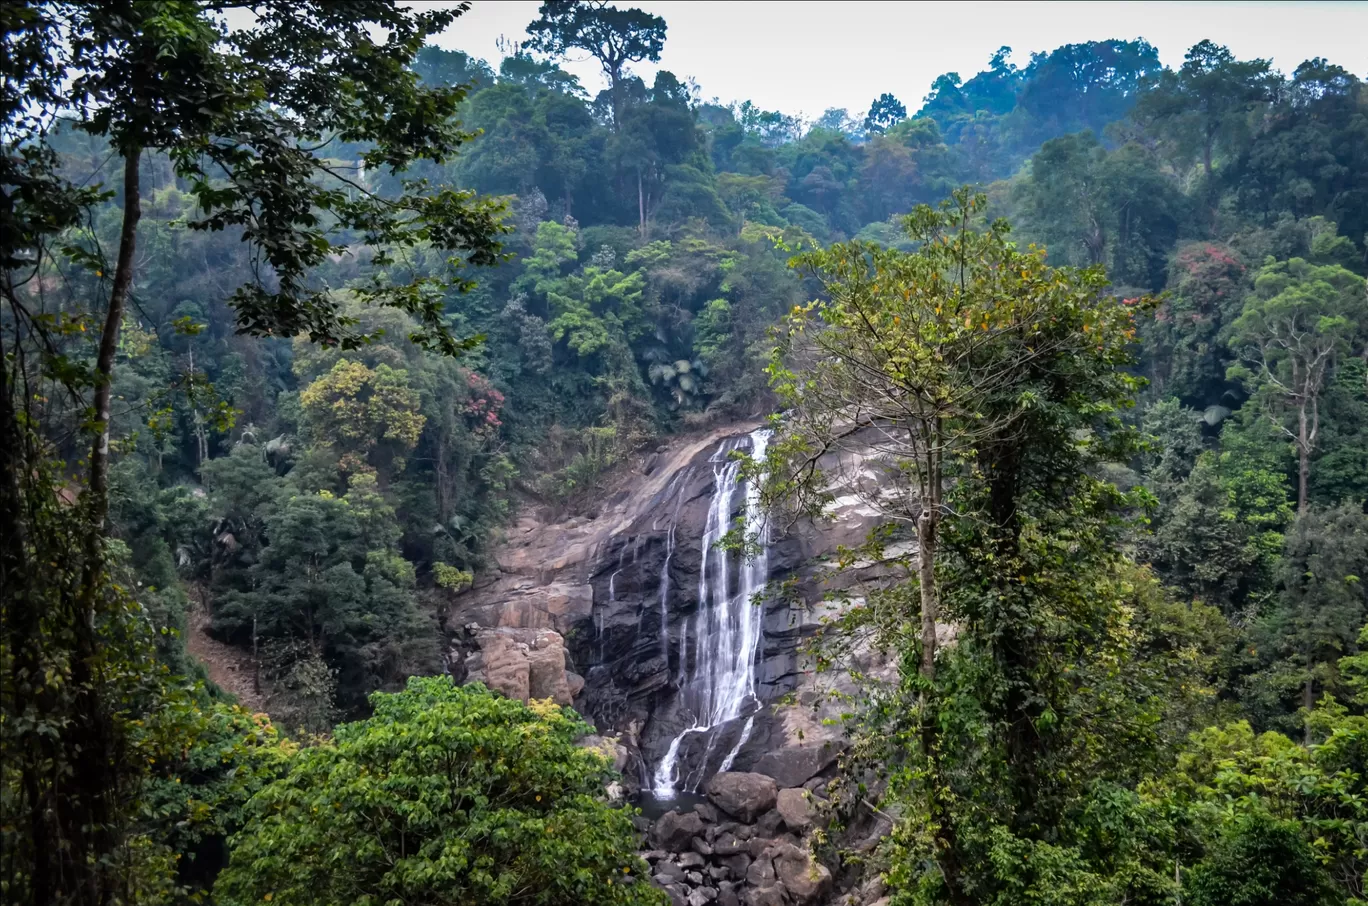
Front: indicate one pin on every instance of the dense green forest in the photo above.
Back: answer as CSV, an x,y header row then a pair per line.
x,y
296,316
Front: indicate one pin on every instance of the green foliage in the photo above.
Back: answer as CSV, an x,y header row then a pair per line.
x,y
1259,861
365,412
446,795
311,499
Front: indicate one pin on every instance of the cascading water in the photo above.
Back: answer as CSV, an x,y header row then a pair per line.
x,y
721,686
665,568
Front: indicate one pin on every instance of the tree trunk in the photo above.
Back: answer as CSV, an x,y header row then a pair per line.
x,y
1309,697
98,490
641,204
615,93
927,524
1303,461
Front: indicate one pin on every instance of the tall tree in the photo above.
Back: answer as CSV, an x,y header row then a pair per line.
x,y
1298,322
614,37
885,112
1202,105
241,116
963,368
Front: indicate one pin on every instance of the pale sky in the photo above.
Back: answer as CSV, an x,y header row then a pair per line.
x,y
803,57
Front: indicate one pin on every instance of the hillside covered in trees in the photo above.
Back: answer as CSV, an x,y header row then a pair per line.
x,y
298,316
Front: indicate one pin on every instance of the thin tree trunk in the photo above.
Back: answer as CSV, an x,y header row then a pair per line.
x,y
91,726
927,524
98,490
641,204
1303,461
1309,696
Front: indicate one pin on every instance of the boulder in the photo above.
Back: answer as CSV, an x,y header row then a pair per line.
x,y
546,668
678,894
706,812
742,795
768,824
692,860
726,895
702,895
501,665
522,664
738,864
796,808
795,765
674,832
766,896
804,878
668,873
727,844
761,872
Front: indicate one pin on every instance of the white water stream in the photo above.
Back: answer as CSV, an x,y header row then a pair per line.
x,y
728,624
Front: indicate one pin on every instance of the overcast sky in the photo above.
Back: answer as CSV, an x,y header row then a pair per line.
x,y
803,57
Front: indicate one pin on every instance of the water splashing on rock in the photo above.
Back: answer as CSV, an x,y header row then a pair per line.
x,y
728,625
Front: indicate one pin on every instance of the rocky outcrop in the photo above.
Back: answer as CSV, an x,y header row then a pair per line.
x,y
612,594
523,664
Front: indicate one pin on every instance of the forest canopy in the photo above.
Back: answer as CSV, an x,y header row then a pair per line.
x,y
297,314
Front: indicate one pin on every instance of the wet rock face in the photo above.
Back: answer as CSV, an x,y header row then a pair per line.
x,y
622,590
602,611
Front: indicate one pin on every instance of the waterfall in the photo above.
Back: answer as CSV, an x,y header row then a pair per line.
x,y
721,686
665,568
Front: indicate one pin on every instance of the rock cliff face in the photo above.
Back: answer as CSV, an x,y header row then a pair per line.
x,y
637,599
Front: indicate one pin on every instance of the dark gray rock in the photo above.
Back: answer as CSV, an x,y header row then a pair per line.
x,y
738,864
692,860
761,873
795,765
743,795
694,877
677,894
706,812
766,896
675,832
769,823
701,846
726,895
726,844
668,873
654,855
757,845
702,895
